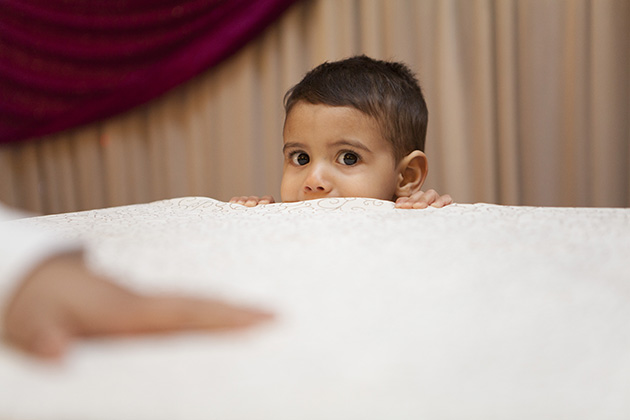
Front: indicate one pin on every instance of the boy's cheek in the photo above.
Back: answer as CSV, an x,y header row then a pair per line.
x,y
286,188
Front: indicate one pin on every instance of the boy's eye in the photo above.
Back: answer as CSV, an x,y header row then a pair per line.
x,y
348,158
300,158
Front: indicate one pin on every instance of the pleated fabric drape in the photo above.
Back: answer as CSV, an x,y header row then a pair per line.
x,y
65,63
529,104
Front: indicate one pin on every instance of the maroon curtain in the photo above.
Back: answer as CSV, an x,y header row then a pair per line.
x,y
68,62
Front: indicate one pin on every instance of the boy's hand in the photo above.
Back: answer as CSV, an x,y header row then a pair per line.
x,y
422,200
62,300
252,200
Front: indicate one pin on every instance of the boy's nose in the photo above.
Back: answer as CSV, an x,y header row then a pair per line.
x,y
316,182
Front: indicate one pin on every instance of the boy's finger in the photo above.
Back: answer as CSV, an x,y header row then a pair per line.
x,y
443,201
238,200
402,203
251,201
266,199
420,205
431,196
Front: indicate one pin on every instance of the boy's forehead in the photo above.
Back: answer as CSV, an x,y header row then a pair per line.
x,y
344,115
317,121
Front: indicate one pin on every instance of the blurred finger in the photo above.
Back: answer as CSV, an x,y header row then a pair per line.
x,y
51,342
146,314
41,333
185,313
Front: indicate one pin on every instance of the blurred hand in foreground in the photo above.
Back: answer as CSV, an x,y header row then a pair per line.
x,y
62,300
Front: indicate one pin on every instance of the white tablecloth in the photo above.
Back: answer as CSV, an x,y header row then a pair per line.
x,y
467,312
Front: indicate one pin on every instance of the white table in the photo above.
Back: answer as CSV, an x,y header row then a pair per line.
x,y
468,312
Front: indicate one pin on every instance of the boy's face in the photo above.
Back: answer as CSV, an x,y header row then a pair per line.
x,y
334,151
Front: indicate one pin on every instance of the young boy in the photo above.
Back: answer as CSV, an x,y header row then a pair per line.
x,y
355,128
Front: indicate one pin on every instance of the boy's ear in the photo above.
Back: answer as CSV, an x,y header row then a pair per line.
x,y
412,171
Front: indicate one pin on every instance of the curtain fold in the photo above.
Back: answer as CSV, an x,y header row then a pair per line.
x,y
65,63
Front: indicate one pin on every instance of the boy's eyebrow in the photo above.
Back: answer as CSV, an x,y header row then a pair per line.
x,y
344,142
292,145
352,143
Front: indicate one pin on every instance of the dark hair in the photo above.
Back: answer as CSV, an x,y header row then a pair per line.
x,y
386,91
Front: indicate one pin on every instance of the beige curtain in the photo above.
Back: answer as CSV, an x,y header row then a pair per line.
x,y
529,104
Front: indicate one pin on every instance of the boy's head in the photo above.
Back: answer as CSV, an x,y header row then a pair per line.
x,y
354,127
386,91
